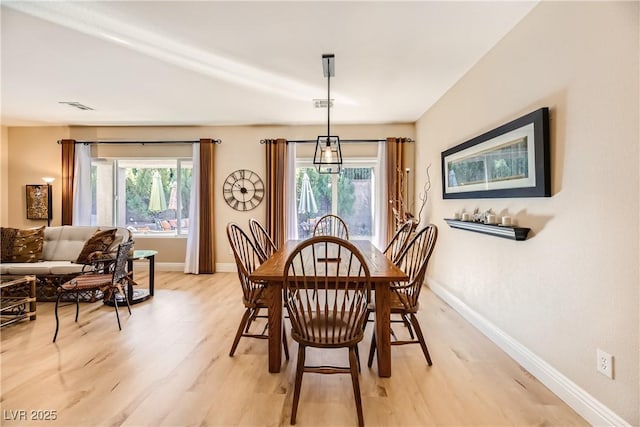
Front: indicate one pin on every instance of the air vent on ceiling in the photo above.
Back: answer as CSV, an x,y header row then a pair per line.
x,y
321,103
75,104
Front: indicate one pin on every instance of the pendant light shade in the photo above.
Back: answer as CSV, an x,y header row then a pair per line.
x,y
328,155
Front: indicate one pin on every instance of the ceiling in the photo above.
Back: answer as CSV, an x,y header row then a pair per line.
x,y
238,63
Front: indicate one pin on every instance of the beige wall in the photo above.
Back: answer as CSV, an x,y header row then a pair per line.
x,y
33,153
4,175
573,286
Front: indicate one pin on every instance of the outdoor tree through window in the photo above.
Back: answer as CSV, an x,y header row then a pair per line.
x,y
348,194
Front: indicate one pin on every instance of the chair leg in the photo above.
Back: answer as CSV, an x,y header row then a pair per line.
x,y
366,320
243,322
115,307
357,356
408,325
55,334
77,305
356,383
372,350
423,344
284,344
298,383
125,296
254,316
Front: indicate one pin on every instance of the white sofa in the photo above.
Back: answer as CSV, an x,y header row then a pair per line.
x,y
61,248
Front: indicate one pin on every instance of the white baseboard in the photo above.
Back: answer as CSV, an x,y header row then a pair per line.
x,y
577,398
226,267
159,266
222,267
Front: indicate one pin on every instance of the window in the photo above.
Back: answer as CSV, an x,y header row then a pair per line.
x,y
148,196
350,194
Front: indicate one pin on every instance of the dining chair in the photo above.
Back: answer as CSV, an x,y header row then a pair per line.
x,y
399,241
263,241
393,250
253,293
404,295
331,225
109,278
325,290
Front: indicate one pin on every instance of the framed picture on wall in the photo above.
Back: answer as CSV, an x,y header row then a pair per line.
x,y
509,161
37,202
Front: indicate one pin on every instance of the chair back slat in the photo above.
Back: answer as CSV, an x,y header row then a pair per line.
x,y
326,286
399,241
263,241
120,266
247,260
331,225
413,261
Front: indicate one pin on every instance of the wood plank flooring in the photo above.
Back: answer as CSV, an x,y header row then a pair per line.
x,y
169,366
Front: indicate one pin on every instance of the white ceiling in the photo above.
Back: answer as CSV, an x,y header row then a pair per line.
x,y
226,63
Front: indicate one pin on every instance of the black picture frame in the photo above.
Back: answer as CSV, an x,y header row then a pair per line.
x,y
512,160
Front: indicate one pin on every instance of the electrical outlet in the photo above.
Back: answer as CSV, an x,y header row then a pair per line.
x,y
604,363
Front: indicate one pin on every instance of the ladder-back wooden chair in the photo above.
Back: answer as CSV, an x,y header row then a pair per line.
x,y
404,295
110,279
263,241
325,291
253,293
331,225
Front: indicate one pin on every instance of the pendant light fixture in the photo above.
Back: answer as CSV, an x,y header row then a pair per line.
x,y
328,156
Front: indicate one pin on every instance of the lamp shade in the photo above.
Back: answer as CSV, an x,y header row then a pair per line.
x,y
328,155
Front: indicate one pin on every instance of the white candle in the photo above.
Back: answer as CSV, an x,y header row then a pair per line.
x,y
506,220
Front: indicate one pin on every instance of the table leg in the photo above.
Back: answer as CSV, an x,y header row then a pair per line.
x,y
274,298
130,282
152,273
383,329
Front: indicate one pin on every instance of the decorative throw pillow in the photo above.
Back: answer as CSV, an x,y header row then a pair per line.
x,y
7,238
28,244
100,241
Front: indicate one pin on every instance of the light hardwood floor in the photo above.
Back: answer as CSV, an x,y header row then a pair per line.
x,y
170,366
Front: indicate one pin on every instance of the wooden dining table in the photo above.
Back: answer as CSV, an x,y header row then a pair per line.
x,y
382,271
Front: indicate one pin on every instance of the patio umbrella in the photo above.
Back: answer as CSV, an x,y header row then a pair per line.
x,y
307,202
173,197
157,200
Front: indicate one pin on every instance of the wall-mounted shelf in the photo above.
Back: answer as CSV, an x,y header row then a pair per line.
x,y
513,233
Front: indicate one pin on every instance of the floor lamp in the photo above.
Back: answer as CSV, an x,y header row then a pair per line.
x,y
49,180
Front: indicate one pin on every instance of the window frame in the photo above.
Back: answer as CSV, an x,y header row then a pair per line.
x,y
357,162
180,232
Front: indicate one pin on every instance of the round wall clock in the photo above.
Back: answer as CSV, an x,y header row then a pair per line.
x,y
243,190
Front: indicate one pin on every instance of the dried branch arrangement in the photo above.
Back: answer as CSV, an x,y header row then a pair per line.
x,y
402,210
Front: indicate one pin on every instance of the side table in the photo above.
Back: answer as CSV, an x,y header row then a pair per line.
x,y
14,306
139,295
